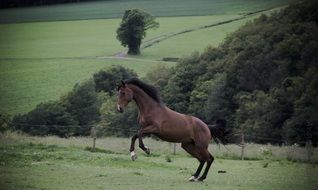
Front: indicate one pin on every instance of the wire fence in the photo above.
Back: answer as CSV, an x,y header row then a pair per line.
x,y
244,141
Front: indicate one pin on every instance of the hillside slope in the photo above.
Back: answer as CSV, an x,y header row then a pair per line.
x,y
263,79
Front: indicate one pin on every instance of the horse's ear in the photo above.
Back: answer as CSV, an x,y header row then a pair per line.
x,y
123,83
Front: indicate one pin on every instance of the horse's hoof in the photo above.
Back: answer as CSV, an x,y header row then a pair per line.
x,y
193,179
133,156
147,151
200,179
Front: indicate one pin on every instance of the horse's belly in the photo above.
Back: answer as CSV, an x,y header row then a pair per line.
x,y
175,127
173,139
176,136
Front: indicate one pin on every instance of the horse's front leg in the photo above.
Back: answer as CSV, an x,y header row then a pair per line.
x,y
132,147
140,134
145,131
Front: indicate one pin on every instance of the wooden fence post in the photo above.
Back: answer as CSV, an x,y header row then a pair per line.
x,y
93,135
310,150
243,146
174,148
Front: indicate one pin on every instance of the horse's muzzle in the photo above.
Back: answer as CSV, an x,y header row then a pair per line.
x,y
120,109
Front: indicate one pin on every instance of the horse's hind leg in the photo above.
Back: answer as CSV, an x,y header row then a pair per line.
x,y
195,152
208,165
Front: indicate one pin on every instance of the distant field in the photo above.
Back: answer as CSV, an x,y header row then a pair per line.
x,y
116,8
27,82
81,38
185,44
38,165
59,39
40,61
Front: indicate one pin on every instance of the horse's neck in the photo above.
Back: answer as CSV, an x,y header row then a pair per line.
x,y
144,102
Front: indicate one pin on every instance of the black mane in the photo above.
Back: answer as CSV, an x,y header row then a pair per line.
x,y
148,89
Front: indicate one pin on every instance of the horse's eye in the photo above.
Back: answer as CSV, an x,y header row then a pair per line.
x,y
123,93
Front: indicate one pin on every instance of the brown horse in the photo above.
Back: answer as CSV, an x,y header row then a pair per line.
x,y
157,119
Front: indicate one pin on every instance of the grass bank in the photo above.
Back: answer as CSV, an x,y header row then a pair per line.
x,y
51,163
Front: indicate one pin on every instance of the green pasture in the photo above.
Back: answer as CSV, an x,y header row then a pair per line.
x,y
40,61
116,8
184,44
47,163
82,38
59,39
27,82
197,40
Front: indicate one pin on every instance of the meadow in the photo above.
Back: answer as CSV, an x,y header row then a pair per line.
x,y
45,51
115,9
54,163
40,61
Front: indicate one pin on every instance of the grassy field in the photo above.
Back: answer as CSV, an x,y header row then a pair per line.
x,y
82,38
34,56
185,44
27,82
59,39
40,61
115,9
53,163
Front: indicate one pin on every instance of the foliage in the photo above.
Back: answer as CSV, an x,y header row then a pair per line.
x,y
82,102
159,76
114,123
4,122
46,119
262,79
182,81
85,48
107,80
133,28
76,112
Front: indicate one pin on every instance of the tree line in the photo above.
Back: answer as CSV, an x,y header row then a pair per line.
x,y
263,79
29,3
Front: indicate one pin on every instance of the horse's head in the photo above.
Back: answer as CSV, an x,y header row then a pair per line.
x,y
125,95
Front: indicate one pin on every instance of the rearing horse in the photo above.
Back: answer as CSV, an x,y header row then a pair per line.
x,y
157,119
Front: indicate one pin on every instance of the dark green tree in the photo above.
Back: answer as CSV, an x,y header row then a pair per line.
x,y
182,82
302,126
83,104
107,80
133,28
159,76
49,118
117,124
258,79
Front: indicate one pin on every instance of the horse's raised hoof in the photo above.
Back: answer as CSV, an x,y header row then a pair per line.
x,y
133,156
147,151
193,179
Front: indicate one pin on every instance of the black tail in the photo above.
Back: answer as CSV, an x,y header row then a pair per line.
x,y
219,133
